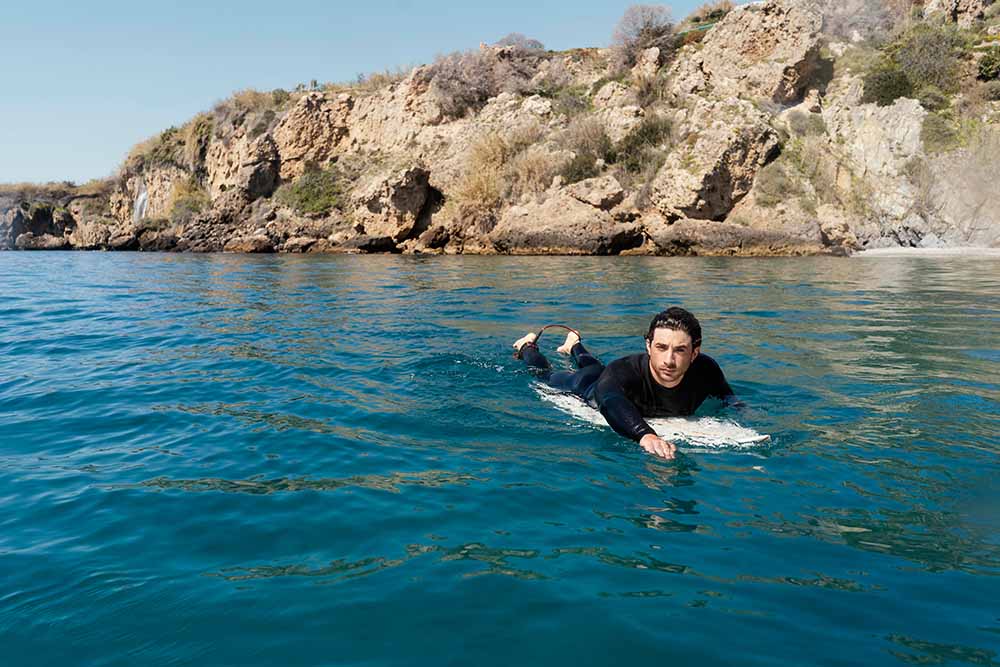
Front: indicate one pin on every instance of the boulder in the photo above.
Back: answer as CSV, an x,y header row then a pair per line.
x,y
366,243
29,241
391,204
312,132
613,94
701,237
767,49
298,244
729,141
257,243
603,192
562,224
647,64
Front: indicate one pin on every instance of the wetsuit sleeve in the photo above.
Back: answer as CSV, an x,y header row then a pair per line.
x,y
612,400
717,384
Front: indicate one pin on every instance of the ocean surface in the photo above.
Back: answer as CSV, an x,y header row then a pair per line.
x,y
321,460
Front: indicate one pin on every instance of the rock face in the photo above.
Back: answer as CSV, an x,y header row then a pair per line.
x,y
576,222
148,193
242,162
391,204
768,50
699,237
35,227
768,151
706,176
962,12
312,132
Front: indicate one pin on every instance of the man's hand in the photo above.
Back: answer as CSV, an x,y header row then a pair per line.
x,y
654,444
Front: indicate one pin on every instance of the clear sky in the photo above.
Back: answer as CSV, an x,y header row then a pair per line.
x,y
84,81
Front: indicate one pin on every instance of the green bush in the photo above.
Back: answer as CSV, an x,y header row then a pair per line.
x,y
642,144
885,84
989,66
932,99
929,55
581,167
315,192
939,133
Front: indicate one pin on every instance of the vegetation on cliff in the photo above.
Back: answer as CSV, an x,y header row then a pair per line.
x,y
734,114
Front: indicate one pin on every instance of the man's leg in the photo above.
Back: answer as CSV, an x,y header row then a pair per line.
x,y
578,382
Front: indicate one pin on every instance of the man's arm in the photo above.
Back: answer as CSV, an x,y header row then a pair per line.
x,y
624,417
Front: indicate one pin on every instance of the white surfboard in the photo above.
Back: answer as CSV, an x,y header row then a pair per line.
x,y
707,433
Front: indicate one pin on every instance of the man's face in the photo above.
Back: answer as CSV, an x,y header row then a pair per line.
x,y
670,356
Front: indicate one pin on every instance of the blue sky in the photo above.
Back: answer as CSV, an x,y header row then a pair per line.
x,y
84,81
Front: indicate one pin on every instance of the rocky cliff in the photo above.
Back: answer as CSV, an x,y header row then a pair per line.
x,y
765,133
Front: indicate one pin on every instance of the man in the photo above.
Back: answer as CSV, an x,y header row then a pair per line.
x,y
671,379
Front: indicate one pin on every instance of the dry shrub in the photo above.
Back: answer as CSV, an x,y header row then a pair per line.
x,y
806,124
641,27
466,80
991,91
940,133
376,81
648,143
32,191
497,171
518,40
711,12
591,147
532,171
187,199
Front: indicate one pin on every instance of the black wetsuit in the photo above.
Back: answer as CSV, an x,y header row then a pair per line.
x,y
625,390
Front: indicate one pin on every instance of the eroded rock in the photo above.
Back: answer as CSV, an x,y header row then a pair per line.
x,y
562,224
706,176
769,49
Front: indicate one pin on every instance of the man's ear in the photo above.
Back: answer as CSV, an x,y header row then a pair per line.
x,y
648,348
695,352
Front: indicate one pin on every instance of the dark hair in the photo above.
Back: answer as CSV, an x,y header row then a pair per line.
x,y
677,319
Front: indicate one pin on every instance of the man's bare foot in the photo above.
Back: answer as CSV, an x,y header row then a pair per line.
x,y
524,340
572,338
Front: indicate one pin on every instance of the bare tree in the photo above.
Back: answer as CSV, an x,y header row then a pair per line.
x,y
641,27
520,41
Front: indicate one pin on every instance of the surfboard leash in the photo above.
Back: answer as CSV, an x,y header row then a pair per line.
x,y
517,353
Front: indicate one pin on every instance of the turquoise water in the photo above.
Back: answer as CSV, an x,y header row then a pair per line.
x,y
240,460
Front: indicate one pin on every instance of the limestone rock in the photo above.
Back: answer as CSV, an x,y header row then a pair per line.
x,y
962,12
619,121
613,94
368,244
312,132
29,241
299,244
391,204
562,224
769,49
242,162
647,64
146,193
253,244
701,237
604,192
706,176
